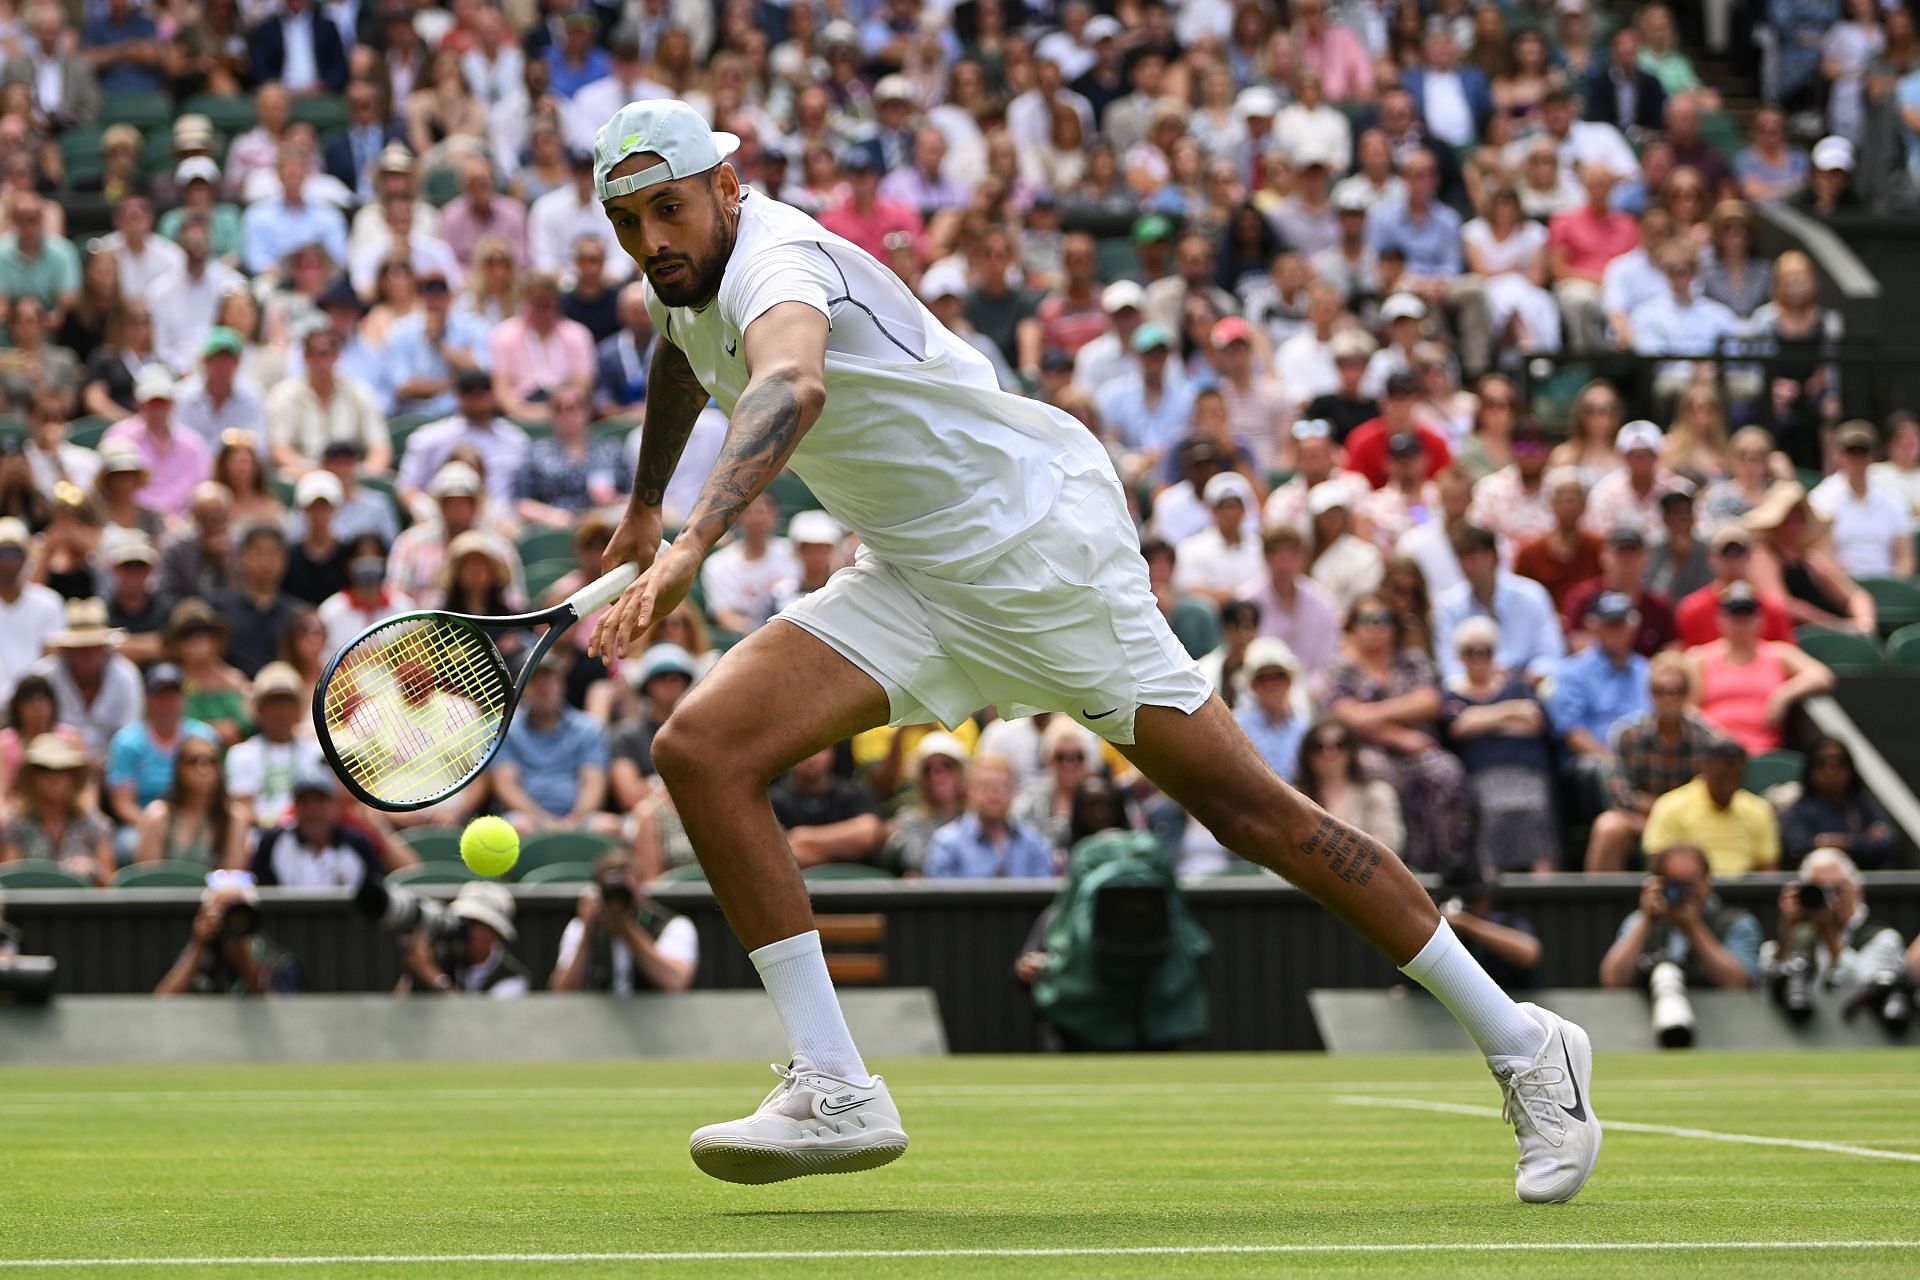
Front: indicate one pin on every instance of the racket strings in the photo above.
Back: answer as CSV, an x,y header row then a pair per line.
x,y
414,707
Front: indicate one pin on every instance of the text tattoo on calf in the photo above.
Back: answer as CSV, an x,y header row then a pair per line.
x,y
1350,855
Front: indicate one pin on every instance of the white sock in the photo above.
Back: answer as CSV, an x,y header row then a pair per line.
x,y
1496,1023
795,974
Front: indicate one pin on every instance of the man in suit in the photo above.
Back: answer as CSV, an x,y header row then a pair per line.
x,y
1621,94
620,362
1454,101
64,87
301,48
354,156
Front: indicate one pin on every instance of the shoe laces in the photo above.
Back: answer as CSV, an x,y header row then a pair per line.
x,y
1529,1104
789,1076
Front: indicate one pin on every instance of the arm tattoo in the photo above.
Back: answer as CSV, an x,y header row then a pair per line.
x,y
766,427
674,401
1350,854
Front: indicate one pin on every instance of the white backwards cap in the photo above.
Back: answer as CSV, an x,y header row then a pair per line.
x,y
669,129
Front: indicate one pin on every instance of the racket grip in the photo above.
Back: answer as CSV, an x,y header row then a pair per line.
x,y
597,594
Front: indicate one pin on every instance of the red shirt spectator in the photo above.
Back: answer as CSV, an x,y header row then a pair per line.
x,y
864,216
1657,629
1587,240
1367,446
1697,618
1559,569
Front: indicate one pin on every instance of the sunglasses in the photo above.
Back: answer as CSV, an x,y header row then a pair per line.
x,y
1669,691
1327,746
199,760
1476,651
1069,757
1371,619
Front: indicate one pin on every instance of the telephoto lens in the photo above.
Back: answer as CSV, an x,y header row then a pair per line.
x,y
1672,1011
1796,988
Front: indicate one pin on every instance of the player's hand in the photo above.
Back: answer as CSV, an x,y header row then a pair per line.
x,y
657,592
635,540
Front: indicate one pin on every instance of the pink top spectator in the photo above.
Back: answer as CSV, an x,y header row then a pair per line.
x,y
529,363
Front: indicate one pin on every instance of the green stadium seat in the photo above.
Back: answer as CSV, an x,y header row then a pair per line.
x,y
1903,646
614,428
791,492
150,113
442,186
432,844
550,847
846,871
80,155
13,427
433,873
541,574
229,116
402,425
161,875
325,112
1840,648
541,543
1116,259
688,873
86,432
560,873
1772,769
1895,600
36,873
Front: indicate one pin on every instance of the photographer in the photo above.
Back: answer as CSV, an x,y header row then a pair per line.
x,y
619,942
1682,935
1829,941
225,952
1503,943
463,947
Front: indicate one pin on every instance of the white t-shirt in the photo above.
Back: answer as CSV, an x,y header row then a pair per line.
x,y
918,451
679,940
735,584
24,627
1864,529
263,772
1205,562
1904,484
1515,253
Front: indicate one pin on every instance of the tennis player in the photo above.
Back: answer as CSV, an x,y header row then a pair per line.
x,y
998,565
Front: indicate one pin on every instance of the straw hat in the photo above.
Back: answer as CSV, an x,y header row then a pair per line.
x,y
86,626
191,617
1781,501
475,543
51,751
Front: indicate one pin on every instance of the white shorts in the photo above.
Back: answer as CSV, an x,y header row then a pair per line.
x,y
1063,621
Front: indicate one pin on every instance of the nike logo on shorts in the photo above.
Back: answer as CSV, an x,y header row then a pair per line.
x,y
733,347
1101,716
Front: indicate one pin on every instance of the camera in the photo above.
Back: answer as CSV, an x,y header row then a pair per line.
x,y
395,910
239,921
617,895
1672,1011
1673,892
1811,898
1794,987
1890,997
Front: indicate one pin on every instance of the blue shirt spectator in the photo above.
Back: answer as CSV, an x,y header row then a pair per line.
x,y
135,756
271,229
124,25
986,842
1268,713
1431,240
553,764
568,77
502,446
1151,406
1594,690
1530,637
412,357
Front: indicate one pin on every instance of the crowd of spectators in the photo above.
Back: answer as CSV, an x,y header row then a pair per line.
x,y
360,340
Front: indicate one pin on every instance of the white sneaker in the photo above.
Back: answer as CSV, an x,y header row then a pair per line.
x,y
1550,1106
811,1123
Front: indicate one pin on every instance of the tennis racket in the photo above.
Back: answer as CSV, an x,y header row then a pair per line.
x,y
413,708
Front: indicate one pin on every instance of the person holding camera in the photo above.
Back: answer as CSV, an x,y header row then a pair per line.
x,y
1828,941
464,948
225,952
1682,935
619,942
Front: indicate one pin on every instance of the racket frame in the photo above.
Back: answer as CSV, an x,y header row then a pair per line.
x,y
557,619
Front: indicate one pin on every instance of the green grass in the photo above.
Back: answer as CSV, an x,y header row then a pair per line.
x,y
1008,1153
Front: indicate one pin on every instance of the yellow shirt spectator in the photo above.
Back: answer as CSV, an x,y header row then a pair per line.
x,y
1743,837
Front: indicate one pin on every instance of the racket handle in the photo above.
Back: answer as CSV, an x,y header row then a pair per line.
x,y
597,594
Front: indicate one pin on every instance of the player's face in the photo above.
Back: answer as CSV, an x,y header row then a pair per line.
x,y
678,233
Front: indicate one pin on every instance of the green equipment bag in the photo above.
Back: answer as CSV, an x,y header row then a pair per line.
x,y
1125,962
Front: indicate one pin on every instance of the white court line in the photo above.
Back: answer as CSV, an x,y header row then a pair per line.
x,y
881,1255
1628,1126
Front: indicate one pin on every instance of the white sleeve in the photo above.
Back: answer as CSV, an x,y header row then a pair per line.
x,y
791,272
245,772
678,941
569,943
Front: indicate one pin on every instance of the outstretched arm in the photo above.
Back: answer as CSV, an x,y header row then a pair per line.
x,y
786,351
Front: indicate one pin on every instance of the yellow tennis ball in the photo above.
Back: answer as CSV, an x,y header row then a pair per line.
x,y
490,846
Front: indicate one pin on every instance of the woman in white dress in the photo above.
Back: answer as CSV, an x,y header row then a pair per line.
x,y
1509,254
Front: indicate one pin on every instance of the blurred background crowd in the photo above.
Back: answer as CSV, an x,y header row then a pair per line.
x,y
311,318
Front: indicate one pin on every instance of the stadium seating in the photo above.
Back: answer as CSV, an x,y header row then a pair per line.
x,y
1772,769
431,844
433,873
1903,646
161,875
1840,648
34,873
1895,600
847,871
560,873
561,846
541,574
229,116
539,542
690,873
